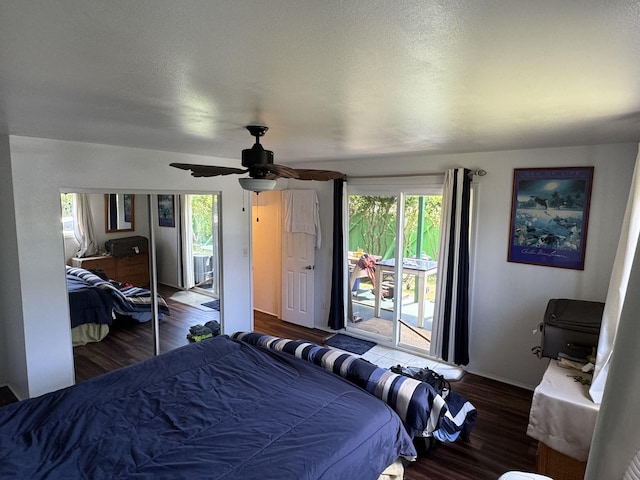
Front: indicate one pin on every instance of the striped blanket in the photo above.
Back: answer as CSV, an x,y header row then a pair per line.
x,y
423,412
129,300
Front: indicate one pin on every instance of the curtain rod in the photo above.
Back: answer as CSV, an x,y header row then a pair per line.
x,y
480,173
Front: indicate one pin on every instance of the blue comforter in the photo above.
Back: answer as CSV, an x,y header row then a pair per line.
x,y
87,303
127,300
215,409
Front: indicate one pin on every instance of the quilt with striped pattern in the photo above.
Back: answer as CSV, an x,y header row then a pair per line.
x,y
422,411
128,300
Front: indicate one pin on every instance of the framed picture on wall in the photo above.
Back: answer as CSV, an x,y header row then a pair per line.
x,y
549,216
166,211
128,204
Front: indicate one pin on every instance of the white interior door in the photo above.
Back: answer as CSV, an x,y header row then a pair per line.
x,y
298,257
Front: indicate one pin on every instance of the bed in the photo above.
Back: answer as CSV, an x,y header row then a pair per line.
x,y
90,309
94,301
425,413
220,408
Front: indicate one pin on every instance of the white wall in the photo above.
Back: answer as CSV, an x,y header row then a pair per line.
x,y
12,344
266,229
33,274
508,299
167,241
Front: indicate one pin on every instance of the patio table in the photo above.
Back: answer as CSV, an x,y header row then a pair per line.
x,y
420,268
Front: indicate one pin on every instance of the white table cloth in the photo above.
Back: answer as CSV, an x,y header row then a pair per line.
x,y
562,415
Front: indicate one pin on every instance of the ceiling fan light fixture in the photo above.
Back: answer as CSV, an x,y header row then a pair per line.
x,y
257,184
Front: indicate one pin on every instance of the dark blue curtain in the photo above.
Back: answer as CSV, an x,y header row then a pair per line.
x,y
336,310
113,212
453,341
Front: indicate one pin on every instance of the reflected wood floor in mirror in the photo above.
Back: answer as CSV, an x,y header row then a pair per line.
x,y
130,342
498,440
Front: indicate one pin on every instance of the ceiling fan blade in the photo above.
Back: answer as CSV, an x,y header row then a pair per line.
x,y
282,171
208,170
319,175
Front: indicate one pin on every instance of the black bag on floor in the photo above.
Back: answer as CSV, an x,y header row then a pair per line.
x,y
425,374
570,327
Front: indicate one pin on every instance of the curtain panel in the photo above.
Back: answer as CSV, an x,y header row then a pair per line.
x,y
336,309
83,227
617,292
450,336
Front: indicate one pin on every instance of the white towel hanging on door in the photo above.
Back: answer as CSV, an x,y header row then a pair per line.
x,y
302,213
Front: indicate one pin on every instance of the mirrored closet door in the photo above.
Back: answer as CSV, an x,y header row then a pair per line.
x,y
172,238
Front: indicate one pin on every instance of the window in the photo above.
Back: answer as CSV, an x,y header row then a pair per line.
x,y
68,220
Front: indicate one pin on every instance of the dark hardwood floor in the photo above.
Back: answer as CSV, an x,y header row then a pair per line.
x,y
498,440
129,342
6,396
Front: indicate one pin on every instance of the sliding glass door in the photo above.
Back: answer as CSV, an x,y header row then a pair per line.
x,y
392,255
201,243
372,239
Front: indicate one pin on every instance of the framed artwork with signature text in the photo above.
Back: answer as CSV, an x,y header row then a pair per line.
x,y
549,216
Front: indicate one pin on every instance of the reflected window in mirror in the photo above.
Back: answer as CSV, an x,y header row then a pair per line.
x,y
119,211
67,201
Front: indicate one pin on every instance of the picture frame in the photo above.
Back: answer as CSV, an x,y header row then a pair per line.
x,y
119,212
128,207
166,211
550,216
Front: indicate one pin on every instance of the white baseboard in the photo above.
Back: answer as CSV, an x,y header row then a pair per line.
x,y
500,379
266,313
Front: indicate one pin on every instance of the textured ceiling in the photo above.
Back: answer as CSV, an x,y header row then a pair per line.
x,y
332,79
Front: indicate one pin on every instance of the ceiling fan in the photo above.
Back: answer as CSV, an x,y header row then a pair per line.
x,y
258,162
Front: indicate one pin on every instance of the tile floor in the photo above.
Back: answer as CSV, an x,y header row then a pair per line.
x,y
386,357
195,300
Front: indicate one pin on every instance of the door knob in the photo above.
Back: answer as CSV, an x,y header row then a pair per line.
x,y
309,267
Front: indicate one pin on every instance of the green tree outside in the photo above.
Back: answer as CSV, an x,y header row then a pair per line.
x,y
202,220
372,225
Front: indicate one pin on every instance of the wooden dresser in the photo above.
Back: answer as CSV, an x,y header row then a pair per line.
x,y
133,269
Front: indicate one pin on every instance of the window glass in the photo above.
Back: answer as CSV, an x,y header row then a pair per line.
x,y
392,302
66,201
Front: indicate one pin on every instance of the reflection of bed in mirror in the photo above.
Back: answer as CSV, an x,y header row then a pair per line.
x,y
94,301
91,311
